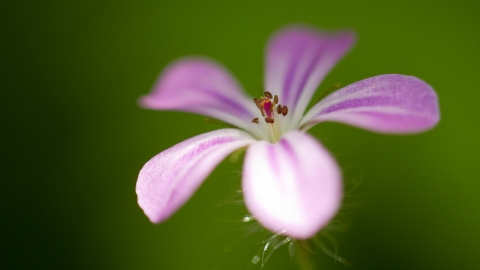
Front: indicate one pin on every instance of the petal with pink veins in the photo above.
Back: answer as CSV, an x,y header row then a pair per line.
x,y
395,104
297,60
170,178
292,187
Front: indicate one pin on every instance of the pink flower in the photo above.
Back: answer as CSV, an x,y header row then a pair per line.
x,y
291,183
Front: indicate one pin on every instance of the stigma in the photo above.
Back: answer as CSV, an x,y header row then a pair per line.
x,y
269,108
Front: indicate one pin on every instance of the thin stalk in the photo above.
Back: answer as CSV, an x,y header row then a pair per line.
x,y
324,94
304,256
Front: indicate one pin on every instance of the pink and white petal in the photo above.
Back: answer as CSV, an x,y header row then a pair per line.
x,y
170,178
292,187
202,86
395,104
297,60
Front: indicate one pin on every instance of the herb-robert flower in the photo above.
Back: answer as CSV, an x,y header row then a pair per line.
x,y
291,184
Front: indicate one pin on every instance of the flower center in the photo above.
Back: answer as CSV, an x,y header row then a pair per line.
x,y
272,112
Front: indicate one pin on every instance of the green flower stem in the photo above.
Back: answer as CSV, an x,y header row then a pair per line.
x,y
304,256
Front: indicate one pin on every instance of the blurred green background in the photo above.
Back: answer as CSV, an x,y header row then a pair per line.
x,y
74,139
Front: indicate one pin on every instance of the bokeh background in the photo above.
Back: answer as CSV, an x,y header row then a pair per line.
x,y
73,138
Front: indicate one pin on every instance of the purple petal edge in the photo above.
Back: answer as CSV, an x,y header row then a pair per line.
x,y
170,178
202,86
292,187
392,104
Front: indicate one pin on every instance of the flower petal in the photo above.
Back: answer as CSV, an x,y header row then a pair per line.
x,y
396,104
170,178
201,86
298,58
292,187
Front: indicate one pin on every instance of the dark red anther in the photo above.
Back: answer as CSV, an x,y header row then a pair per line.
x,y
268,94
279,109
275,99
285,110
269,120
255,120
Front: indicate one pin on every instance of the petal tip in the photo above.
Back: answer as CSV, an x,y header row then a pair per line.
x,y
170,178
348,35
387,104
292,187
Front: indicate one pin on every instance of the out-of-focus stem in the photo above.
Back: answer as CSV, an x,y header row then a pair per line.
x,y
304,257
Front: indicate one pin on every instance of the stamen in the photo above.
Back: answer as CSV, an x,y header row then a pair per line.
x,y
258,102
263,114
270,109
324,94
279,109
